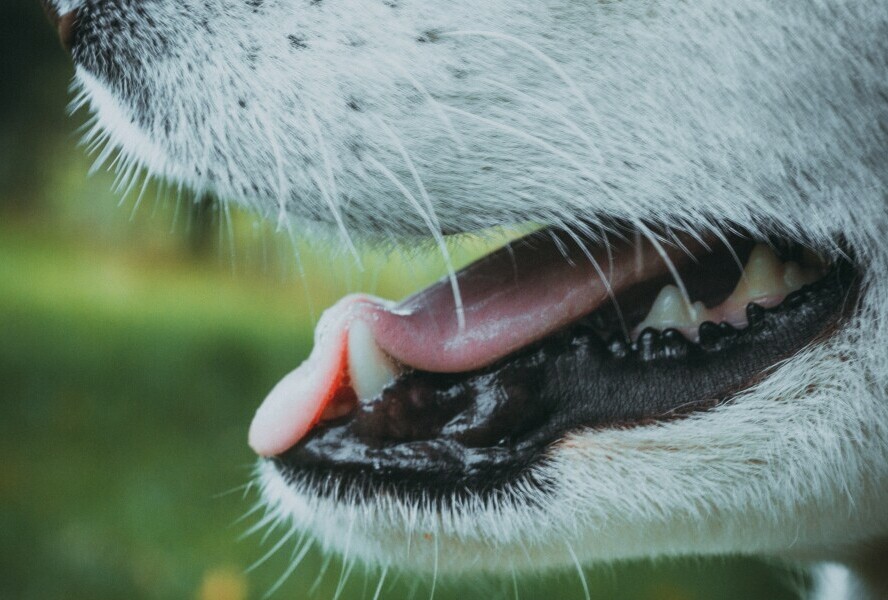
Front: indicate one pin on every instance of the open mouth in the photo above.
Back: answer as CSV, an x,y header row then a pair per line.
x,y
450,394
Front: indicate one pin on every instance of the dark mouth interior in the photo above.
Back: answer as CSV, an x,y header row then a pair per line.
x,y
434,435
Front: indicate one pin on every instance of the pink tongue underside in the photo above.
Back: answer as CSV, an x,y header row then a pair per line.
x,y
511,298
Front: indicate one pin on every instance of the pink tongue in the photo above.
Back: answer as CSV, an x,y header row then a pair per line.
x,y
511,298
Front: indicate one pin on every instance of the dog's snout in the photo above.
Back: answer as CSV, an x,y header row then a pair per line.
x,y
64,21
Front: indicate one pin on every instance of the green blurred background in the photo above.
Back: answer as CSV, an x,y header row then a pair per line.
x,y
137,338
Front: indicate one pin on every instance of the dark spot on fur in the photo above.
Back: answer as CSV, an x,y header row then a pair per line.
x,y
297,42
355,105
429,37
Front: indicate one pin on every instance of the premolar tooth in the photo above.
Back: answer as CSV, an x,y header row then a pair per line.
x,y
794,276
670,310
762,277
370,369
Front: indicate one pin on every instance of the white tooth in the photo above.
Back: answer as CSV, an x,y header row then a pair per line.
x,y
794,276
762,276
369,368
670,310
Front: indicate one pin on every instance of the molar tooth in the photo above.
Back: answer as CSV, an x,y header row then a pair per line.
x,y
370,369
762,276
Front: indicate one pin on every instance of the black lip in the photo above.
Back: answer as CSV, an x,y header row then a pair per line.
x,y
443,436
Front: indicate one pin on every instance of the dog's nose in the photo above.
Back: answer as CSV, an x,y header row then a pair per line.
x,y
65,23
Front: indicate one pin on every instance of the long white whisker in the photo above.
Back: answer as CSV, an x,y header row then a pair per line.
x,y
256,508
434,226
382,577
286,575
346,566
279,167
601,275
579,571
284,539
676,275
330,195
434,572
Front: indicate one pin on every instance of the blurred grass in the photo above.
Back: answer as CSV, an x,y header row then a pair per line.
x,y
131,360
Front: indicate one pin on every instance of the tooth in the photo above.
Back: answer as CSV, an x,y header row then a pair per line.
x,y
794,276
762,277
370,369
670,310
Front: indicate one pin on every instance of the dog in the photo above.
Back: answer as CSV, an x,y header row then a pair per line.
x,y
684,355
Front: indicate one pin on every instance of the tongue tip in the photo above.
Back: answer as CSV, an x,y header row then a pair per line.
x,y
298,401
287,414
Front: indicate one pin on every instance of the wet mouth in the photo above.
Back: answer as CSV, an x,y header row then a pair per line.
x,y
447,394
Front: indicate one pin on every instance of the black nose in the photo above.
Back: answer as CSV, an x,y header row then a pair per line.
x,y
65,24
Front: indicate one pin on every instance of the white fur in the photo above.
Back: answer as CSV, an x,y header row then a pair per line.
x,y
769,114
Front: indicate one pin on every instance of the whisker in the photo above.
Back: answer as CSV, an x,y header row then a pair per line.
x,y
382,577
346,566
256,508
676,275
328,195
434,572
261,524
284,539
580,571
432,222
287,573
237,488
325,566
604,278
283,193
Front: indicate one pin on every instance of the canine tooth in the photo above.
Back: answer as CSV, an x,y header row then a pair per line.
x,y
369,368
670,310
762,276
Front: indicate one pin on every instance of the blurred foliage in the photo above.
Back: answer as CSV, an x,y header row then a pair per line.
x,y
135,342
